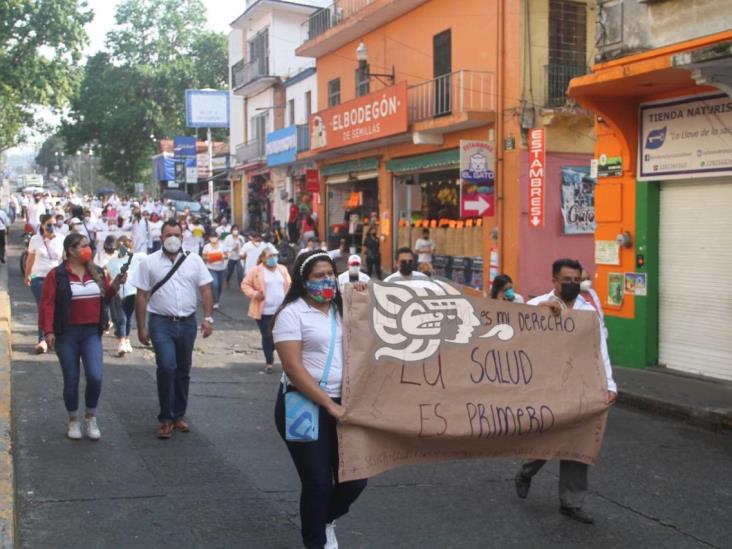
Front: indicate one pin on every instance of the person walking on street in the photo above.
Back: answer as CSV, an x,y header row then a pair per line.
x,y
353,273
4,226
292,217
266,286
45,251
234,244
502,288
372,250
123,304
215,259
573,484
308,337
167,282
405,265
72,317
251,252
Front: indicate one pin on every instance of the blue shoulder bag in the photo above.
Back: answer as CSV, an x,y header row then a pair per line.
x,y
302,414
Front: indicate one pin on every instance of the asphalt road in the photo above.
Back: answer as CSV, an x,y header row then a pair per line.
x,y
230,483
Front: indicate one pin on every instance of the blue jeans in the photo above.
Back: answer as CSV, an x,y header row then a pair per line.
x,y
265,328
81,342
235,266
219,277
123,310
36,287
323,499
173,344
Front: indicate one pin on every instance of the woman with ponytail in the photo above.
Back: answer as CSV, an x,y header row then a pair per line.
x,y
308,337
72,317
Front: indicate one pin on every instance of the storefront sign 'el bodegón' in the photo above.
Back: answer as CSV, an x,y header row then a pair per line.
x,y
379,114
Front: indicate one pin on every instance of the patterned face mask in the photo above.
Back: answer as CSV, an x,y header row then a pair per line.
x,y
321,290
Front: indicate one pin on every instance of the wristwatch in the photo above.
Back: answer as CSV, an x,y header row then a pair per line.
x,y
208,319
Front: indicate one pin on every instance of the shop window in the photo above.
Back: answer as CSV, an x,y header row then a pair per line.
x,y
362,80
334,92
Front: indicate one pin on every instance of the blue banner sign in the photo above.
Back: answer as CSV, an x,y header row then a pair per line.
x,y
282,146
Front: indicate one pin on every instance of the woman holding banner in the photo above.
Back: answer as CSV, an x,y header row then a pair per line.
x,y
308,337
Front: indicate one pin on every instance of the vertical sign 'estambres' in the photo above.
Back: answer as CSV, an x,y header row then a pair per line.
x,y
537,177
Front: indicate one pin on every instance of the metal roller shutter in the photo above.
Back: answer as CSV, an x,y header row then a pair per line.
x,y
695,286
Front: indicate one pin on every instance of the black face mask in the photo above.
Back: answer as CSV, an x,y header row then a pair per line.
x,y
569,291
406,267
109,249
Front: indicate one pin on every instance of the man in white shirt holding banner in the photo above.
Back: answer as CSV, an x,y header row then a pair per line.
x,y
567,275
167,282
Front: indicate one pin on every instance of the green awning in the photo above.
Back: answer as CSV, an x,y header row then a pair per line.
x,y
360,165
442,159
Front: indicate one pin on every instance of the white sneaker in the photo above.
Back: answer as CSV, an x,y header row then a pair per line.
x,y
42,347
74,432
121,349
92,430
128,346
330,538
216,306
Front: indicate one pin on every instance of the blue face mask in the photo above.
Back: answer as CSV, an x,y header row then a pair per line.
x,y
509,294
271,261
322,290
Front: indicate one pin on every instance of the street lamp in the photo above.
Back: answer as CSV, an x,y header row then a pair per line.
x,y
362,55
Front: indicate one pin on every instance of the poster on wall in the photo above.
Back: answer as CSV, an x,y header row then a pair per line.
x,y
607,252
635,284
578,200
477,178
615,289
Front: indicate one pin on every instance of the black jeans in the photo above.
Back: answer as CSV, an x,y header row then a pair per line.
x,y
323,499
265,328
2,245
373,263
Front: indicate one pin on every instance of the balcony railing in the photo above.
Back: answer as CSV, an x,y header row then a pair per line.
x,y
249,152
454,93
557,79
326,18
303,138
244,73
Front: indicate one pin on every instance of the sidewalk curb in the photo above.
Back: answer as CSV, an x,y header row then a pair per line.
x,y
7,480
710,418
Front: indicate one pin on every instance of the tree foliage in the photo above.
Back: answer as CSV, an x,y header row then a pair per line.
x,y
135,91
47,157
41,42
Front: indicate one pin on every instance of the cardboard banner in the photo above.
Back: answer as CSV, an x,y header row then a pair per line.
x,y
431,375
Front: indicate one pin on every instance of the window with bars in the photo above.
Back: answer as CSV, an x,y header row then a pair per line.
x,y
259,51
567,48
362,80
334,92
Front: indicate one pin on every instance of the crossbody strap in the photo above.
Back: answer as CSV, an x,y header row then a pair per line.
x,y
331,349
170,274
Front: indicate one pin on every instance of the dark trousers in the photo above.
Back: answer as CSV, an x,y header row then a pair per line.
x,y
323,499
373,264
234,266
292,232
572,480
173,344
2,245
36,287
123,310
265,328
81,344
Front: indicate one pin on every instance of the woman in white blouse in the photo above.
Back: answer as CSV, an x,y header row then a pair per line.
x,y
311,312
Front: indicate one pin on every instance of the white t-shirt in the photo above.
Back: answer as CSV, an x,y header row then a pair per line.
x,y
35,210
298,321
156,229
191,243
423,243
49,254
253,252
274,291
345,278
233,246
216,265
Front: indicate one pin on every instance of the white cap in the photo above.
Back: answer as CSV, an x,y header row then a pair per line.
x,y
354,260
75,221
272,250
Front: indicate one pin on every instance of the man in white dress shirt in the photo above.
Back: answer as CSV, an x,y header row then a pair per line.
x,y
172,326
567,275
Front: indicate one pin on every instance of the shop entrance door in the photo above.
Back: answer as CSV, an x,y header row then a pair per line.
x,y
695,254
